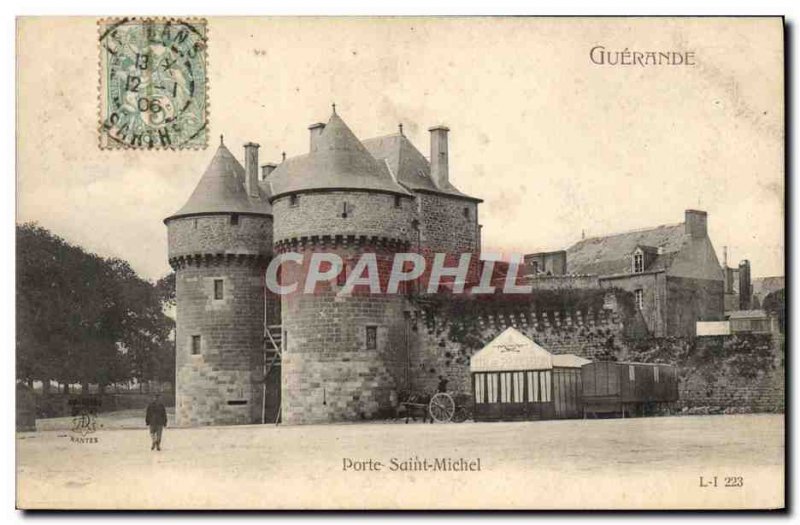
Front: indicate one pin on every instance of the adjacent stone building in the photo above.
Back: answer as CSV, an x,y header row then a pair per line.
x,y
672,271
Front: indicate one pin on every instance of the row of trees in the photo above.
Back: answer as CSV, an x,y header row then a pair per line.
x,y
82,318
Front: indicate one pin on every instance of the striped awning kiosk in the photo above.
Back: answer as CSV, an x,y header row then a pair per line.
x,y
512,379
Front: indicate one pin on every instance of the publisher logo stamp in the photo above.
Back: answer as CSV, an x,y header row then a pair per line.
x,y
84,419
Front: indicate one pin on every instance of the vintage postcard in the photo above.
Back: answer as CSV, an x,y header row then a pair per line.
x,y
400,263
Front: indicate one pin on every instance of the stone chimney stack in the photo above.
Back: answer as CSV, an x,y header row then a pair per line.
x,y
315,131
251,168
439,156
745,288
697,224
266,169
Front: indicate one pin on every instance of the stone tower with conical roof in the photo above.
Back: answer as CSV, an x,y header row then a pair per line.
x,y
345,355
220,243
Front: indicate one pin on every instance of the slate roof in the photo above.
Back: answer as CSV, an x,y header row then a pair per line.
x,y
611,254
409,166
763,286
221,190
339,161
747,314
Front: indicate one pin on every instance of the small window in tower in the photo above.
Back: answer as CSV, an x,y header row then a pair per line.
x,y
638,295
466,213
196,345
397,202
344,210
638,263
195,224
234,219
372,338
294,200
219,290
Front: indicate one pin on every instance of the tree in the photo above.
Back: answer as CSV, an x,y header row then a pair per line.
x,y
775,305
83,318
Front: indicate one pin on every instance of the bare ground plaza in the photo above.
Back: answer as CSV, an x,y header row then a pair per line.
x,y
549,464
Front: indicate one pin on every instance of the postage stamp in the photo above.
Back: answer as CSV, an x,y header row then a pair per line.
x,y
153,90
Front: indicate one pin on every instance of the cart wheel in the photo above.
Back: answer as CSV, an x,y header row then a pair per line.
x,y
461,414
442,407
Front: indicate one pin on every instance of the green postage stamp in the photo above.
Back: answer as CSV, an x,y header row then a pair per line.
x,y
153,90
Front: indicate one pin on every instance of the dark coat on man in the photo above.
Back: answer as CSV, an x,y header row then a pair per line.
x,y
156,415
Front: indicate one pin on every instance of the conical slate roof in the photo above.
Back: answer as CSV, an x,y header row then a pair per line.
x,y
221,190
338,161
410,166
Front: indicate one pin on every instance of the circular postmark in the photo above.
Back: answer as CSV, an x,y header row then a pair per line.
x,y
153,83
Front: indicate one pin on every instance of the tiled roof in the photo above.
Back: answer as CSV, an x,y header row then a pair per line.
x,y
339,161
611,255
409,166
221,190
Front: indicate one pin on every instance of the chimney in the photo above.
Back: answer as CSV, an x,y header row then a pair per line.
x,y
745,290
696,224
439,161
266,169
315,131
251,168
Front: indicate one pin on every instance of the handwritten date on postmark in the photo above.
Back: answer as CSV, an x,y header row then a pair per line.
x,y
153,90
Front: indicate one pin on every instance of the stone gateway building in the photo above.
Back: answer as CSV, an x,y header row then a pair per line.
x,y
247,356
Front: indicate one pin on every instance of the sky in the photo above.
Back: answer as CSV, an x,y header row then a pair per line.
x,y
557,146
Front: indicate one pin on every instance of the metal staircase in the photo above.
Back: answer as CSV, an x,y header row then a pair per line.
x,y
273,343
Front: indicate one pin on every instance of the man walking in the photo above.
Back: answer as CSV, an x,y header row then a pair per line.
x,y
156,419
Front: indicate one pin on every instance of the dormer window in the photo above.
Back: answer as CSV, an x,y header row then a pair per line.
x,y
638,262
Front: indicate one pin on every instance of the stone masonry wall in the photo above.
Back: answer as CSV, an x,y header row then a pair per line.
x,y
328,371
213,234
721,374
444,227
441,347
692,300
368,214
221,384
726,374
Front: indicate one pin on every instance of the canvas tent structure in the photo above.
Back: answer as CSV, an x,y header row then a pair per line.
x,y
512,379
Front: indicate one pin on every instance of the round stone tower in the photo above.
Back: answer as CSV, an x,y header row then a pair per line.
x,y
220,243
345,356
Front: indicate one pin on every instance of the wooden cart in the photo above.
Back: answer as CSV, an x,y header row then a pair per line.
x,y
442,407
